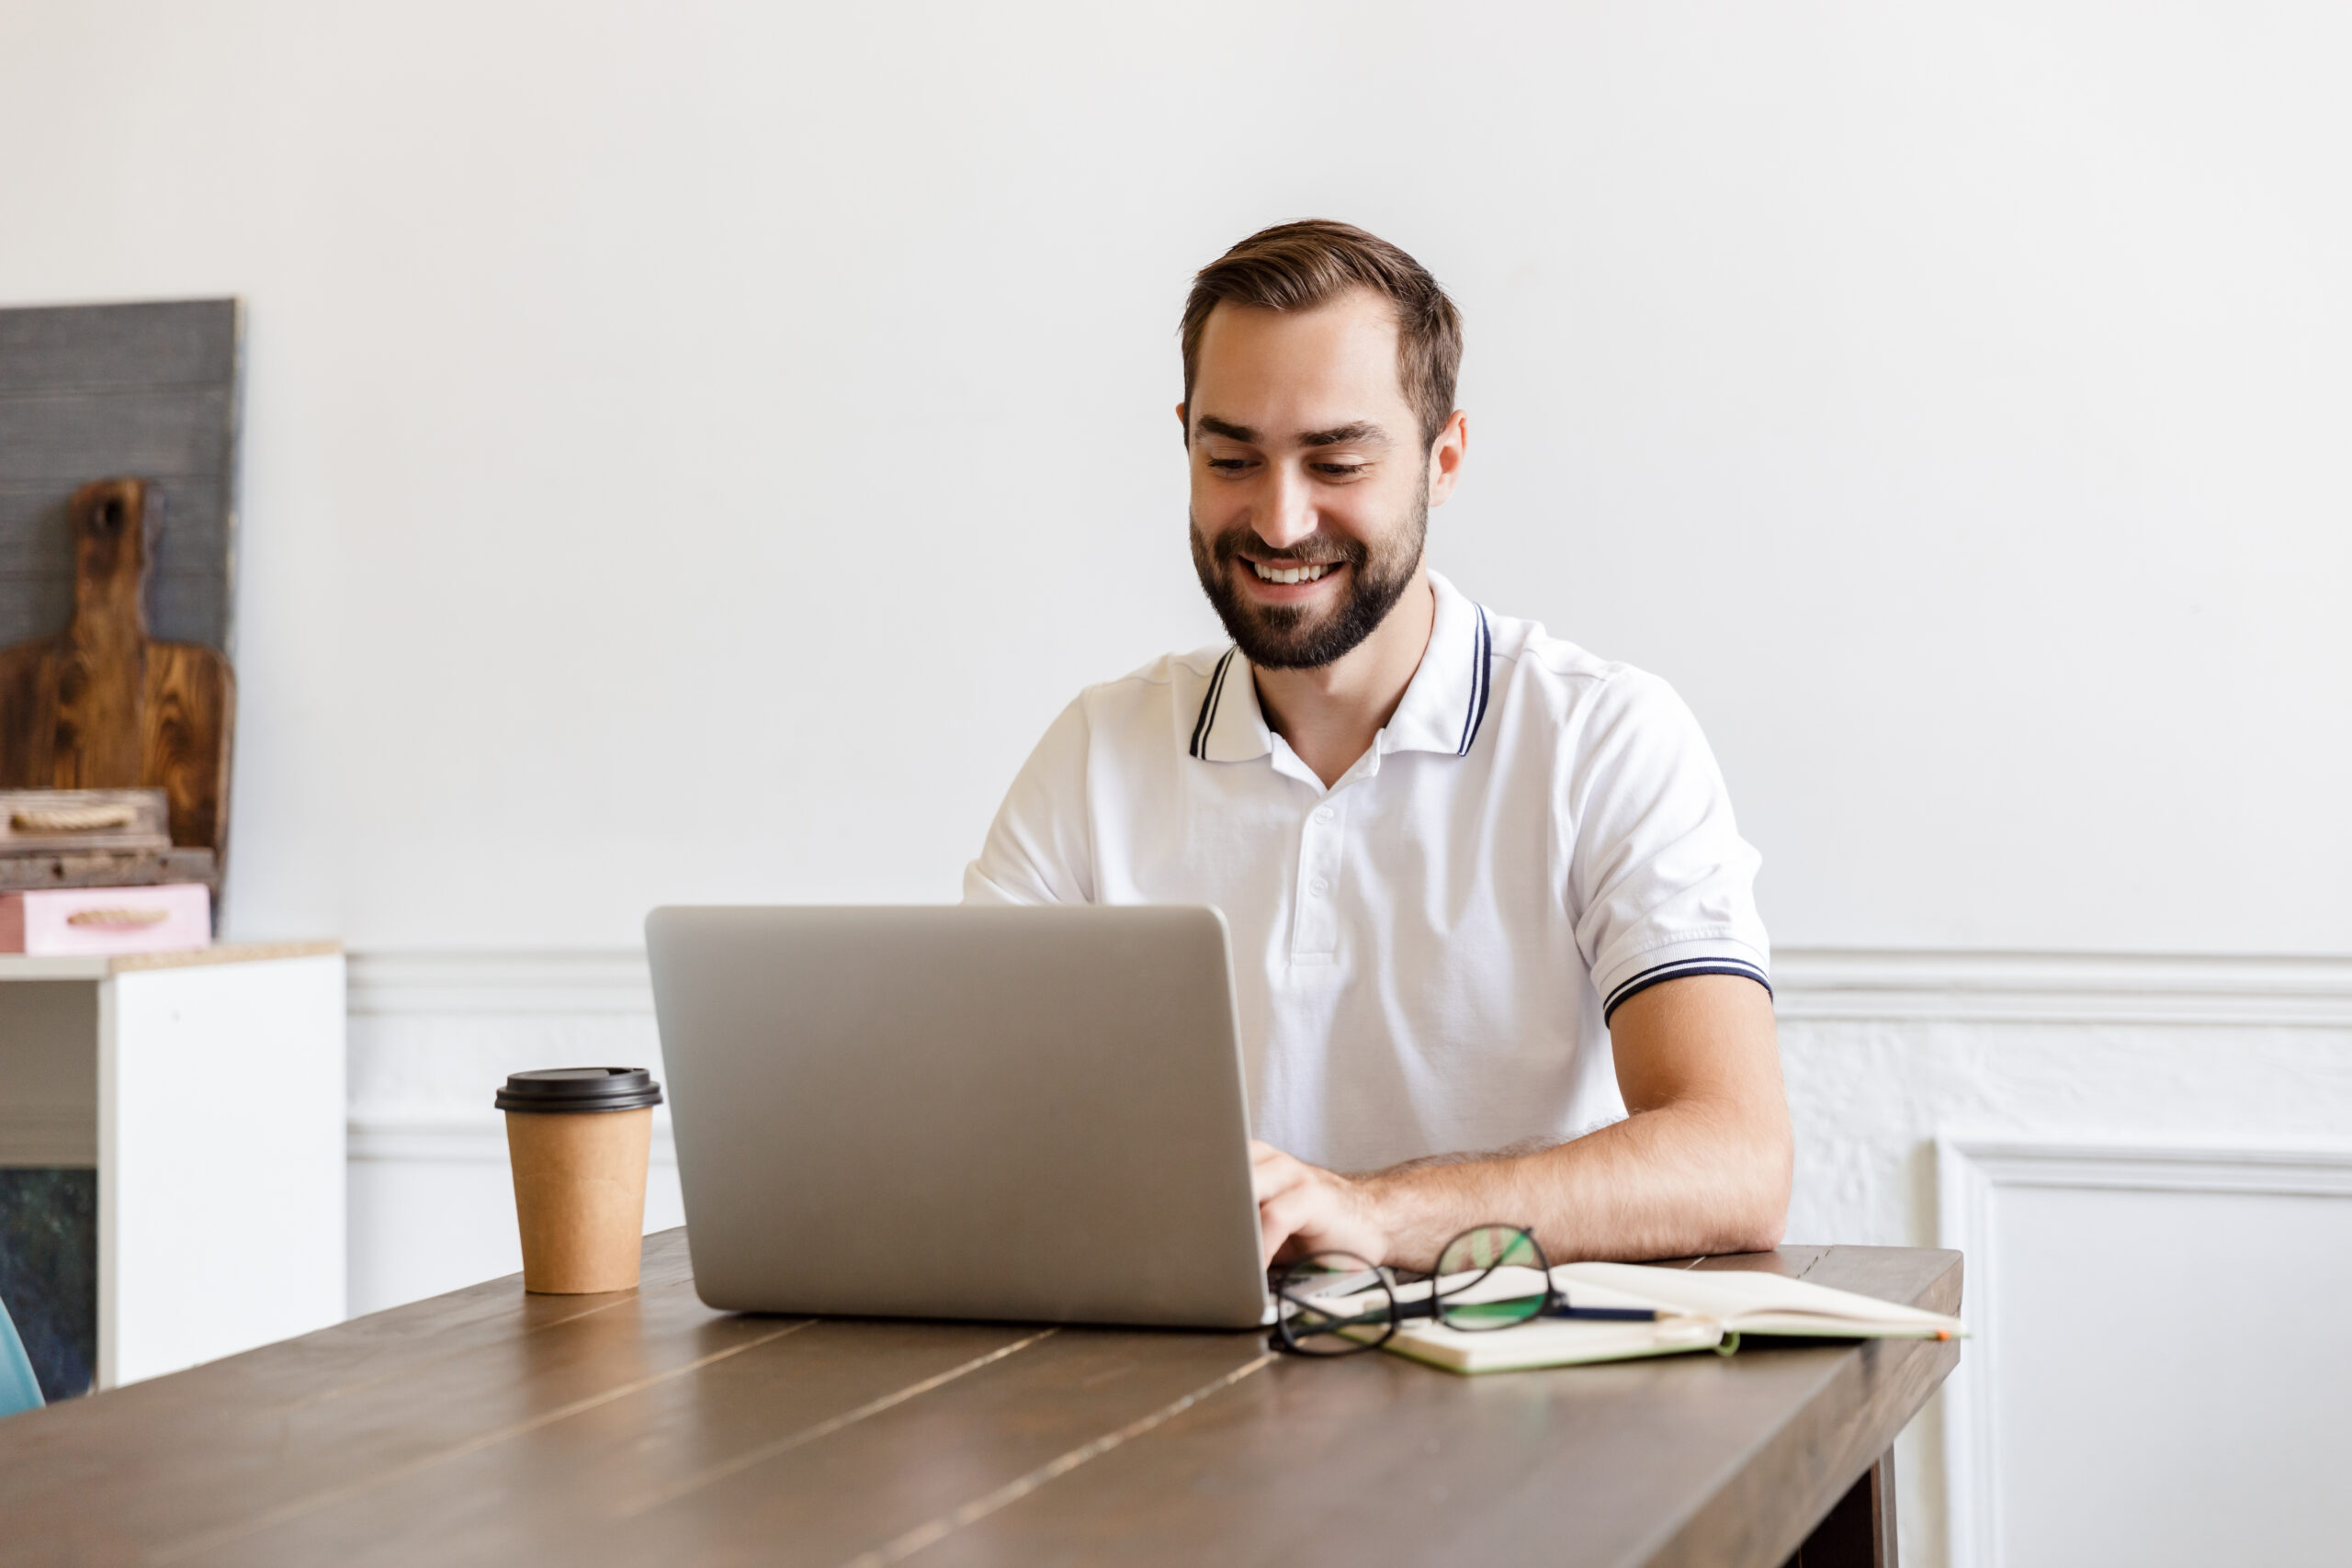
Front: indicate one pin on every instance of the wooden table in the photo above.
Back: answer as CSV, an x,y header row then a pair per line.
x,y
488,1427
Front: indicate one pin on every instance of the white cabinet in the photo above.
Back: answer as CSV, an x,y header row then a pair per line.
x,y
207,1091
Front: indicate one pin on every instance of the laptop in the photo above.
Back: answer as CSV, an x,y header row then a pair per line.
x,y
1020,1115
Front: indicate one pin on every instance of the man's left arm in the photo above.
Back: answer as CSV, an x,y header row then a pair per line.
x,y
1702,1165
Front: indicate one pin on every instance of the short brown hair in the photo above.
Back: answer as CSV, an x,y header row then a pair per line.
x,y
1296,267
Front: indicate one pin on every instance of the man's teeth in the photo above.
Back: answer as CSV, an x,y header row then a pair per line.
x,y
1288,573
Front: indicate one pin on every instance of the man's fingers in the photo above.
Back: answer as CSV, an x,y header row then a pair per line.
x,y
1285,1214
1277,1221
1303,1210
1275,1172
1297,1215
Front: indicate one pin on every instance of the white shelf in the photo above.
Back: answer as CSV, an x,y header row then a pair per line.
x,y
206,1089
98,967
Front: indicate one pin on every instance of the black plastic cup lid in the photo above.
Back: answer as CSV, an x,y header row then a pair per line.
x,y
580,1088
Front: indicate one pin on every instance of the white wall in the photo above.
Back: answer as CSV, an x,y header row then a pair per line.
x,y
691,450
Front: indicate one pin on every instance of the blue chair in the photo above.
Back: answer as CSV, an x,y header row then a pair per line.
x,y
19,1390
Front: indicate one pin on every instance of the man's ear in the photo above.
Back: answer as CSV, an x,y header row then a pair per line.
x,y
1446,455
1182,426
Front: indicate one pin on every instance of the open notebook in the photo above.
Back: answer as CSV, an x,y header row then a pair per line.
x,y
1697,1312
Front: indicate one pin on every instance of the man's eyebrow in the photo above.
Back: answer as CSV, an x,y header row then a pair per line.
x,y
1209,425
1362,432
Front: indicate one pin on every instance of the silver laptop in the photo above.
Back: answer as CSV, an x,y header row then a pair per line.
x,y
1033,1115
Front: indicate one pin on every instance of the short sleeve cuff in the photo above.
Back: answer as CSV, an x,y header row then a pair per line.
x,y
1693,955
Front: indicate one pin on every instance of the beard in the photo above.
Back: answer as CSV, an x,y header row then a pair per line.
x,y
1292,637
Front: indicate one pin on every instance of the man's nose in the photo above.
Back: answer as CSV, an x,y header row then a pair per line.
x,y
1288,512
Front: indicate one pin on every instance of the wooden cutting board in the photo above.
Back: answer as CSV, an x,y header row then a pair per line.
x,y
103,706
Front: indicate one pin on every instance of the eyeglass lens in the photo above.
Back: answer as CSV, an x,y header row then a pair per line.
x,y
1491,1277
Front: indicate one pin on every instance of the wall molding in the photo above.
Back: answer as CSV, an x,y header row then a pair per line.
x,y
1966,987
523,980
1969,1170
1812,984
435,1136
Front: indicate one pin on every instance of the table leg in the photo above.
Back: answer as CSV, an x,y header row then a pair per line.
x,y
1858,1532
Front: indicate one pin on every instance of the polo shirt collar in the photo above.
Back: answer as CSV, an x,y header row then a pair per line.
x,y
1441,709
1446,701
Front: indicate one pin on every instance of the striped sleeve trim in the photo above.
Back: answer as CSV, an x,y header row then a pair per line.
x,y
1676,971
1208,705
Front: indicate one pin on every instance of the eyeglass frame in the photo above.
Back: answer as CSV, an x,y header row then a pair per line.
x,y
1554,1303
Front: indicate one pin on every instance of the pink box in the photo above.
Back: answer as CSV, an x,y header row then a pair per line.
x,y
56,921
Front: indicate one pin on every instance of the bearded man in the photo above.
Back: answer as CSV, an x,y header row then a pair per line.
x,y
1496,951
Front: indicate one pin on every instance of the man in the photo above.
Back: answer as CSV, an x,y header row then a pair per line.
x,y
1484,890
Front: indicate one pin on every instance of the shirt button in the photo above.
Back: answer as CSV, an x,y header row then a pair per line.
x,y
1322,814
1318,887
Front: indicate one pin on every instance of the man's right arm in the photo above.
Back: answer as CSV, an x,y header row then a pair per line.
x,y
1039,849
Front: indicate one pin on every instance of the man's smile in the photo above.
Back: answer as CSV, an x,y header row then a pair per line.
x,y
1287,582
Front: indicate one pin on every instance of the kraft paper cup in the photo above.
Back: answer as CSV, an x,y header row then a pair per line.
x,y
577,1139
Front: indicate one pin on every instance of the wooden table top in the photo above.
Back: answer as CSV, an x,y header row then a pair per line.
x,y
487,1426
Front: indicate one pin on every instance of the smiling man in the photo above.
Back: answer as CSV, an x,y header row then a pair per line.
x,y
1496,949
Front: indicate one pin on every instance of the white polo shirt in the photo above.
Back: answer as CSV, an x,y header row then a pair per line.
x,y
1425,955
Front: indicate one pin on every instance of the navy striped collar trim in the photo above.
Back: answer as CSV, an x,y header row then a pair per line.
x,y
1482,678
1676,971
1210,701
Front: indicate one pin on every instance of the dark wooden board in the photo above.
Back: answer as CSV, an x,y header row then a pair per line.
x,y
490,1427
67,437
171,342
147,390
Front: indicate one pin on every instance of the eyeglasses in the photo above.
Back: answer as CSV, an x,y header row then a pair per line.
x,y
1489,1277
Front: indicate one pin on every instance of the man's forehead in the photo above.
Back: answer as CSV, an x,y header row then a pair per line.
x,y
1354,321
1292,373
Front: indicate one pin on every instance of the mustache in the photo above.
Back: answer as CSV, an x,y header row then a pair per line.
x,y
1317,549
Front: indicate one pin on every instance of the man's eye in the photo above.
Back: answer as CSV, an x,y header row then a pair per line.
x,y
1341,470
1231,465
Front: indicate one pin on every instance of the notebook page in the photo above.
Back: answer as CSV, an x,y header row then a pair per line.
x,y
1728,1295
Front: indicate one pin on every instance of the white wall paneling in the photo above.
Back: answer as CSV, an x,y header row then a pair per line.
x,y
1883,1052
2156,1376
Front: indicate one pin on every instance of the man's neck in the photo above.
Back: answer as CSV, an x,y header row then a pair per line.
x,y
1329,715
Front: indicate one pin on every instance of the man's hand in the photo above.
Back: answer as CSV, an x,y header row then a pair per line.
x,y
1303,1209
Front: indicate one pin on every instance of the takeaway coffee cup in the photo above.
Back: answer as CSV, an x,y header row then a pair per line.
x,y
577,1138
